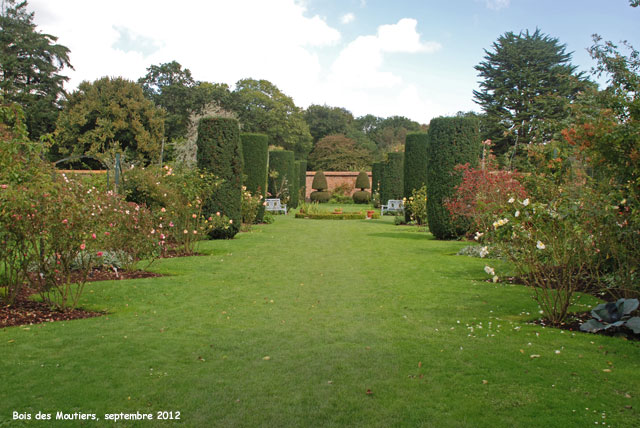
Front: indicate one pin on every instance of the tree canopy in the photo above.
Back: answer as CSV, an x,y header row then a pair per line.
x,y
338,153
324,120
174,89
528,83
30,66
263,108
108,116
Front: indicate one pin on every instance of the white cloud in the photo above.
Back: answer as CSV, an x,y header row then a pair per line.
x,y
497,4
359,64
224,41
347,18
403,37
218,41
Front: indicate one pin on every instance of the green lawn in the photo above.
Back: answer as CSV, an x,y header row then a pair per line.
x,y
339,308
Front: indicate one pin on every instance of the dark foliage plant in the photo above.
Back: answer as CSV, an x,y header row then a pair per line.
x,y
452,141
219,152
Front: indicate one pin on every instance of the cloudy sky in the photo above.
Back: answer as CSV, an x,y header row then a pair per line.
x,y
384,57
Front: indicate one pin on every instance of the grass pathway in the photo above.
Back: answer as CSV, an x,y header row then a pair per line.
x,y
339,308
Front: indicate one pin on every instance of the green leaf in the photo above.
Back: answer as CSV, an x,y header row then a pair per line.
x,y
634,324
592,326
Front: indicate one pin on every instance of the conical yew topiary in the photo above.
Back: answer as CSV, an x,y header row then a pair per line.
x,y
319,182
362,182
321,186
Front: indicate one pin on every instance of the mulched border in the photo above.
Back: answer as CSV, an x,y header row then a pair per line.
x,y
575,320
25,311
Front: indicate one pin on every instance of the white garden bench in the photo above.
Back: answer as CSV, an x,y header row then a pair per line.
x,y
276,205
393,205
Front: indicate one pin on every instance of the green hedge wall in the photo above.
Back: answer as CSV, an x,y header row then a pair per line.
x,y
255,151
376,173
392,178
220,152
302,171
415,164
282,162
295,186
331,216
452,141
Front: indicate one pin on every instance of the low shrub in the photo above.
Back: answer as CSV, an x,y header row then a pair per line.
x,y
483,192
320,196
250,207
416,206
362,197
335,216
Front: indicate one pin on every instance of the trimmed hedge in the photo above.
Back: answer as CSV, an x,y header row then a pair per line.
x,y
294,190
380,183
362,182
319,182
320,196
361,197
220,152
392,178
302,184
282,162
452,141
320,185
343,216
376,174
415,164
255,151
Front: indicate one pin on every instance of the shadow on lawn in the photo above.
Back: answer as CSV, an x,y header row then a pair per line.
x,y
405,235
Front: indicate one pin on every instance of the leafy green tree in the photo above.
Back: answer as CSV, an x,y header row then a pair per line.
x,y
174,89
387,134
338,153
171,87
325,120
606,124
109,116
528,83
263,108
30,66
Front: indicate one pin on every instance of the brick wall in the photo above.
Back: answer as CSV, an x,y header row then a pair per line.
x,y
335,179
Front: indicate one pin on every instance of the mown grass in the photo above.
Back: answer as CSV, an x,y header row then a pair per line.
x,y
339,308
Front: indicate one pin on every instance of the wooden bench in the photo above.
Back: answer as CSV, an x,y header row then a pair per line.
x,y
393,206
275,205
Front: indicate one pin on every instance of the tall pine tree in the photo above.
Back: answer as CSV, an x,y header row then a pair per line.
x,y
528,84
